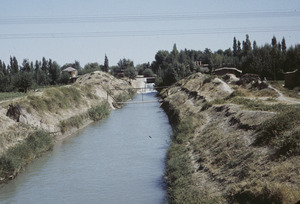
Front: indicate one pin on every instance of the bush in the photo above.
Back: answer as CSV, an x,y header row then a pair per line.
x,y
95,113
281,133
18,156
74,121
99,112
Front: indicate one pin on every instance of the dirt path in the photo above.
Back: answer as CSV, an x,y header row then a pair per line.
x,y
284,98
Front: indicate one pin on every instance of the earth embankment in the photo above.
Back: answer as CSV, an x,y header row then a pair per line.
x,y
232,144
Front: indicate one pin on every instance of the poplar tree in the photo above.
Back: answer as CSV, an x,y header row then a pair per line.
x,y
106,66
234,47
283,46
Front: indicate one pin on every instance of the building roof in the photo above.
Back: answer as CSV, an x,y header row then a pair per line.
x,y
293,72
69,69
228,68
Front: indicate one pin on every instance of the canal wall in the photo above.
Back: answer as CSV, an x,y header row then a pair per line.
x,y
53,114
224,149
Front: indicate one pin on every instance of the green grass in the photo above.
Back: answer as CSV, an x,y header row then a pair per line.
x,y
10,95
87,90
95,113
252,104
54,99
181,185
125,96
281,132
18,156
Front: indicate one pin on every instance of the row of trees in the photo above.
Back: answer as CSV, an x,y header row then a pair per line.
x,y
270,60
15,77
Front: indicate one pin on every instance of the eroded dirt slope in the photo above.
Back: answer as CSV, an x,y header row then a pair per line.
x,y
226,163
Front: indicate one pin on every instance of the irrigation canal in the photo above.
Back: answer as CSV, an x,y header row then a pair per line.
x,y
117,160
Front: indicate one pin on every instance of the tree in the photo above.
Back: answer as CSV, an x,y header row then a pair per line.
x,y
254,45
23,81
125,63
105,66
14,67
274,42
54,72
174,53
77,65
65,78
37,66
235,51
130,72
275,53
283,46
26,66
148,73
90,67
246,46
239,49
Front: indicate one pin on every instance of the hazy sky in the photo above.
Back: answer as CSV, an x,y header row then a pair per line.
x,y
86,30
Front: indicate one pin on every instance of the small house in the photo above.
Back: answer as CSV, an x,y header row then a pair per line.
x,y
73,73
228,70
292,79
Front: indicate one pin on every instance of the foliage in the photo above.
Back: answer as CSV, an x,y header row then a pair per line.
x,y
53,98
90,67
23,81
106,65
281,132
21,154
74,121
178,169
130,72
65,78
95,113
269,60
10,95
99,112
125,67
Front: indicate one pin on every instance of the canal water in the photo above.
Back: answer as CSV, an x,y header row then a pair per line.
x,y
117,160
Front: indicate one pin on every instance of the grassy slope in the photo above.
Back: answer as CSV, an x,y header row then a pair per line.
x,y
230,147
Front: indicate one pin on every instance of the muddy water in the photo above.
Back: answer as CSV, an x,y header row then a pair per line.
x,y
118,160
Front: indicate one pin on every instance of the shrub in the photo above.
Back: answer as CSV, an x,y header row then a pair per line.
x,y
99,112
21,154
74,121
281,132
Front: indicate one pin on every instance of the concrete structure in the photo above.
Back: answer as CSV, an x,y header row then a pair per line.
x,y
292,79
203,68
228,70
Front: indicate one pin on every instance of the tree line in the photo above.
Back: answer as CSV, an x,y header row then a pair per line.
x,y
270,60
15,77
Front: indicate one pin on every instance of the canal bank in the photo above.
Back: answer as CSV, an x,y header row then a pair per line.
x,y
54,113
118,160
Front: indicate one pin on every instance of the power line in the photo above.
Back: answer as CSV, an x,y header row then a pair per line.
x,y
140,33
149,17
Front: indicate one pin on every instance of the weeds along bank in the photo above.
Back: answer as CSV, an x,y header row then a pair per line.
x,y
231,144
52,114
